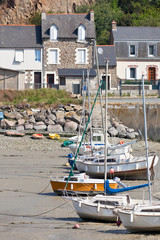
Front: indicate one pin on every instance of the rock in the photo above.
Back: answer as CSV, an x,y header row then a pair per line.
x,y
112,132
31,120
39,126
9,123
121,131
68,108
13,115
130,130
39,117
72,116
49,122
131,135
3,123
59,114
51,117
70,126
20,128
60,121
28,126
21,121
55,128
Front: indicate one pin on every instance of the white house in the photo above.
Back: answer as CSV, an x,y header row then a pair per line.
x,y
20,56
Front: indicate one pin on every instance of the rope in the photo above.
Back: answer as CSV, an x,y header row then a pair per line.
x,y
35,215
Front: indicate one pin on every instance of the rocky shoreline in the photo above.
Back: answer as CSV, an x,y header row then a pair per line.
x,y
63,119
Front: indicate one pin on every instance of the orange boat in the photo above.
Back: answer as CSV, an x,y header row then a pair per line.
x,y
14,134
37,136
80,184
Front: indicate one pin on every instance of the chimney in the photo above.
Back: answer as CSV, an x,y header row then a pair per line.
x,y
43,16
92,15
114,26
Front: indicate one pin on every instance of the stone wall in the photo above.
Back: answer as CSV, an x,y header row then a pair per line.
x,y
132,116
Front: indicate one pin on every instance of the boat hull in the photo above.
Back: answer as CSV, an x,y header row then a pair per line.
x,y
86,211
128,169
83,188
140,222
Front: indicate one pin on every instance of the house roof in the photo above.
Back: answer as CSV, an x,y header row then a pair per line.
x,y
65,72
108,53
68,24
136,33
20,36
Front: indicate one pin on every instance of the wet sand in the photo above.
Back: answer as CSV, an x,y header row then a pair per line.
x,y
28,207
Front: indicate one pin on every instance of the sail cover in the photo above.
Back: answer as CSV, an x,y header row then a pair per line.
x,y
110,190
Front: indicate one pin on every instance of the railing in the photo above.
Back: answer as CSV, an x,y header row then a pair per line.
x,y
40,85
137,85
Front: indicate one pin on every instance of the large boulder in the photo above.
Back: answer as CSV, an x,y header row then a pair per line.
x,y
28,126
40,126
70,126
55,128
112,132
9,123
51,116
13,115
72,116
39,116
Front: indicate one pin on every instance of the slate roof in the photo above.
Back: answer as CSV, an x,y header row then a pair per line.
x,y
68,25
65,72
136,33
25,36
109,53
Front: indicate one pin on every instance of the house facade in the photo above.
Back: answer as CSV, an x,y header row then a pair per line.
x,y
68,45
20,56
137,54
107,52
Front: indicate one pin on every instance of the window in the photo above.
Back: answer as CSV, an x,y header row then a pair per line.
x,y
62,81
37,55
81,33
81,56
132,50
53,33
53,56
151,50
133,73
19,55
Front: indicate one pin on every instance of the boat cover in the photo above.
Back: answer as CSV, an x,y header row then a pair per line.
x,y
110,190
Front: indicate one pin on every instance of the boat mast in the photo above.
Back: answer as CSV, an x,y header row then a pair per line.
x,y
106,136
146,142
89,103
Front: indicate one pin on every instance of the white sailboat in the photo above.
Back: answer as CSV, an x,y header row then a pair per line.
x,y
102,207
142,218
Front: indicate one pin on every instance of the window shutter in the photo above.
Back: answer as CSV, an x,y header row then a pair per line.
x,y
127,73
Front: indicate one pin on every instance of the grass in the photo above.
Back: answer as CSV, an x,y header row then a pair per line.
x,y
37,97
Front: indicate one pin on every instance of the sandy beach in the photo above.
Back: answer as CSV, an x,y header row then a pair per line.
x,y
28,207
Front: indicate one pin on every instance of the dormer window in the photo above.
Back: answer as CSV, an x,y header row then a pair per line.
x,y
132,50
81,33
53,33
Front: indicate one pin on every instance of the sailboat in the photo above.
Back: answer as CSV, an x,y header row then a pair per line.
x,y
80,183
142,218
101,207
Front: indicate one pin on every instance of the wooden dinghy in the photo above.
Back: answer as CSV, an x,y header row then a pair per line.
x,y
80,184
37,136
14,134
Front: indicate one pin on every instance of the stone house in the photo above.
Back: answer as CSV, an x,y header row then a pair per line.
x,y
68,45
137,54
